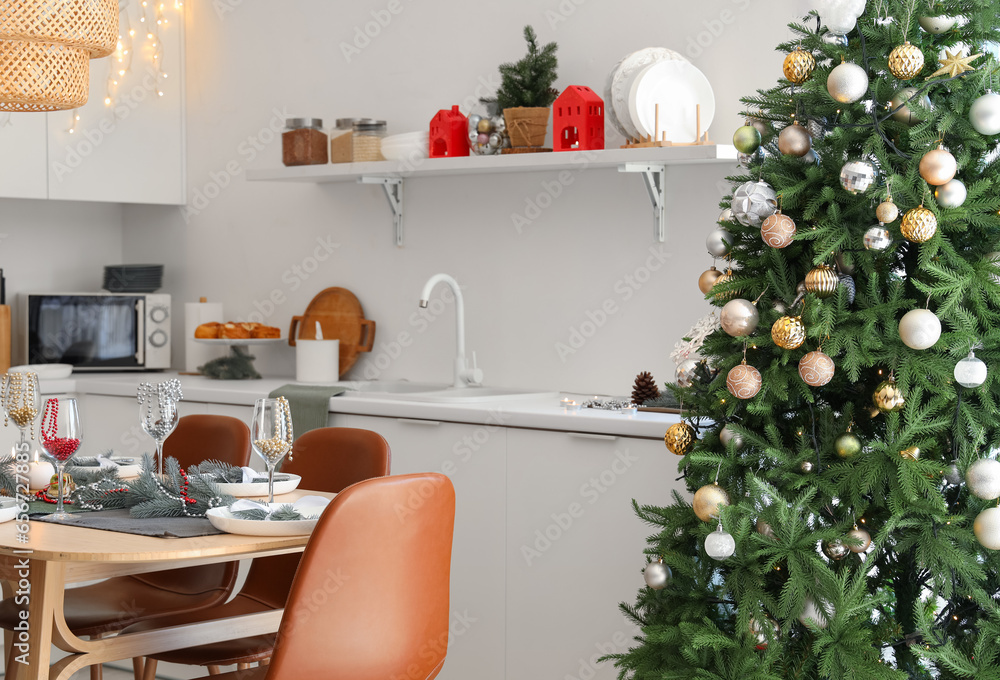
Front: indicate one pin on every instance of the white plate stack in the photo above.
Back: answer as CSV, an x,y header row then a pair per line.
x,y
409,146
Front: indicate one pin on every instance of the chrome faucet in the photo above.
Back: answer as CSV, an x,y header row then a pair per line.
x,y
464,376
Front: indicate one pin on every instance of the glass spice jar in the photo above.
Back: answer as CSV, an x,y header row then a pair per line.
x,y
367,140
304,142
341,140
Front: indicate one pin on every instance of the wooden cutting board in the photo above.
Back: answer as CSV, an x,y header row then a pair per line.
x,y
340,316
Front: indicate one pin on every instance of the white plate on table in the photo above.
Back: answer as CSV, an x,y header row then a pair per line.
x,y
8,509
678,87
222,519
249,489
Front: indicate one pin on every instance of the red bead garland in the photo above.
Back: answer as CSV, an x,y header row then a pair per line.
x,y
60,448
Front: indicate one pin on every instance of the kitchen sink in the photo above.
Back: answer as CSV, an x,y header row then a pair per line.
x,y
382,387
465,395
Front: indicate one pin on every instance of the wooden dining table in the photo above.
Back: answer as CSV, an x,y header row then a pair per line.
x,y
57,555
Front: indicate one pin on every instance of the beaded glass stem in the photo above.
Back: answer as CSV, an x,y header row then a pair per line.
x,y
60,433
158,412
271,435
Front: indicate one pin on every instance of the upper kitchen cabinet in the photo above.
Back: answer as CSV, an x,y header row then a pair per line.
x,y
128,144
22,148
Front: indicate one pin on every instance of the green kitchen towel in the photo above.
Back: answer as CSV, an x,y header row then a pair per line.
x,y
309,404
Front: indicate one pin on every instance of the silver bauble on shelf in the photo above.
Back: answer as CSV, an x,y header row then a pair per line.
x,y
877,238
860,536
920,329
951,194
900,105
847,283
739,318
720,544
983,479
727,436
753,202
857,176
936,25
657,575
686,372
794,140
719,242
847,83
984,114
987,528
970,371
814,615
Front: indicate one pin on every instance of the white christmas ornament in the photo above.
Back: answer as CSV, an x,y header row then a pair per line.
x,y
985,114
704,327
970,371
951,194
814,615
983,479
937,25
987,528
753,202
840,16
919,328
720,544
847,83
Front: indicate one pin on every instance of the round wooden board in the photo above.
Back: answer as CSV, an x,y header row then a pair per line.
x,y
339,314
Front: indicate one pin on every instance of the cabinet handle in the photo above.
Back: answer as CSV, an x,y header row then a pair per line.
x,y
587,435
414,421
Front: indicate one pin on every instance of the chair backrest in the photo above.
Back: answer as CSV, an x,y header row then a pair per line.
x,y
370,599
328,459
199,437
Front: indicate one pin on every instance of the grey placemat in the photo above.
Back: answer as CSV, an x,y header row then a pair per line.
x,y
121,521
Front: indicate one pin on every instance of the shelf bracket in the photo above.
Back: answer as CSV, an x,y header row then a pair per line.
x,y
654,177
394,194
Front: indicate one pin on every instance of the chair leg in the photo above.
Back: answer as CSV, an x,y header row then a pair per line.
x,y
215,670
11,667
137,663
149,669
97,670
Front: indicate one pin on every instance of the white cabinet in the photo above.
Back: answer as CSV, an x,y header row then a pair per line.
x,y
473,457
574,546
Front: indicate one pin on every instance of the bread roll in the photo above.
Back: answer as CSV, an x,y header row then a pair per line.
x,y
208,331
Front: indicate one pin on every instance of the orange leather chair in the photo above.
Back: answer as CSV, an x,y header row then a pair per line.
x,y
381,556
328,459
111,605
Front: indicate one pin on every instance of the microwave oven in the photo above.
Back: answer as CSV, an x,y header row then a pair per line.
x,y
98,331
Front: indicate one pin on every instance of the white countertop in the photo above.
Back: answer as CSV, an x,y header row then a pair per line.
x,y
535,412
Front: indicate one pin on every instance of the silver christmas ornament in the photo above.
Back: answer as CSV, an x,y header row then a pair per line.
x,y
847,282
728,436
951,194
987,528
847,83
983,479
919,329
970,371
814,615
811,158
685,372
836,549
657,575
835,39
857,176
953,475
719,242
794,140
807,466
749,159
753,202
720,544
936,25
877,238
900,105
739,318
817,128
725,216
985,114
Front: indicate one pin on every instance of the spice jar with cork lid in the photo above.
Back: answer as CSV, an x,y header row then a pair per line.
x,y
367,140
304,142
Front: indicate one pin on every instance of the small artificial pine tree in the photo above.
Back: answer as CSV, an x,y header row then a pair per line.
x,y
528,82
814,465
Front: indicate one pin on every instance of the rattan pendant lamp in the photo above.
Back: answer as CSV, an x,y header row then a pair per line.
x,y
46,47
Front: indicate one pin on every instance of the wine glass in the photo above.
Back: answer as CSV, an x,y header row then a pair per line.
x,y
158,412
61,433
20,400
271,435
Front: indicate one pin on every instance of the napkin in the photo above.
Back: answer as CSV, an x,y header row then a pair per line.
x,y
305,506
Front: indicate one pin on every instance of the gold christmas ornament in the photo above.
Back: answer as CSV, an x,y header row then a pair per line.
x,y
798,66
679,438
778,230
906,61
954,64
918,225
708,279
860,536
794,140
847,445
708,500
887,211
822,281
725,278
938,167
888,397
743,381
788,332
911,453
816,369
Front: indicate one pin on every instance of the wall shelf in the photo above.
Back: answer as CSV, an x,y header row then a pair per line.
x,y
650,162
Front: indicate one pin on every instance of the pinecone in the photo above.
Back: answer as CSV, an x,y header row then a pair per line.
x,y
644,388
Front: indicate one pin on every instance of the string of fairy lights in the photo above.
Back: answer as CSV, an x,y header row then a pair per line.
x,y
142,37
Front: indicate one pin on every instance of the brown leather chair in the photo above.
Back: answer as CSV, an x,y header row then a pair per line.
x,y
111,605
379,617
328,459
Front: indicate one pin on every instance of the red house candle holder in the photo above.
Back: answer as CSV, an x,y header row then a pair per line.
x,y
578,120
448,136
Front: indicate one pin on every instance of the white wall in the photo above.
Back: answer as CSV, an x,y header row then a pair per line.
x,y
55,246
239,242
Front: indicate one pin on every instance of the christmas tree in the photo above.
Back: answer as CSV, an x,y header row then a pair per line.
x,y
844,521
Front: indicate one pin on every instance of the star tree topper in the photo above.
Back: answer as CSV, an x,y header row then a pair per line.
x,y
954,64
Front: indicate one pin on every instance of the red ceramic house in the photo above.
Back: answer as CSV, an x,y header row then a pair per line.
x,y
449,134
578,120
